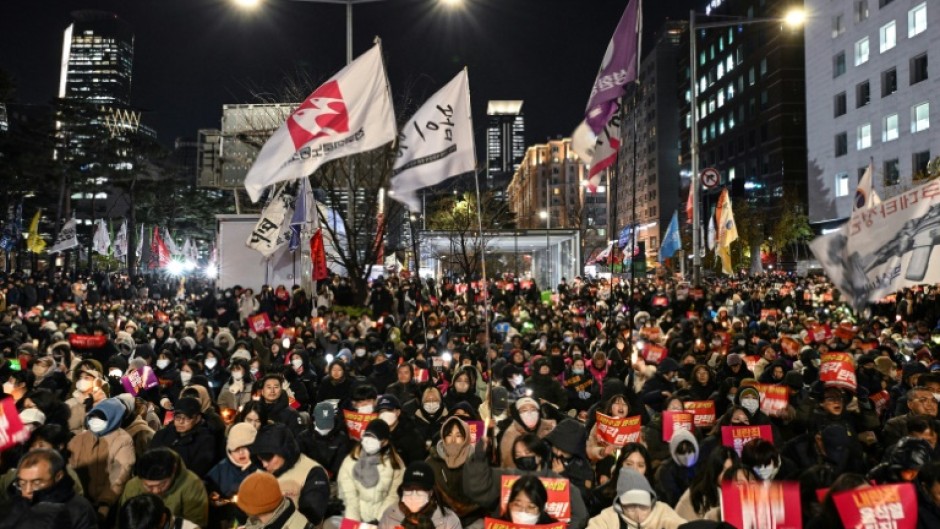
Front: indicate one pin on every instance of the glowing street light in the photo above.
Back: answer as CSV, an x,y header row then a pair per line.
x,y
795,18
247,4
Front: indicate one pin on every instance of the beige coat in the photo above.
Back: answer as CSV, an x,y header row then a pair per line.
x,y
661,517
367,505
103,464
515,431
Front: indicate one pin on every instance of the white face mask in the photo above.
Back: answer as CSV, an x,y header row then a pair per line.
x,y
163,363
766,472
185,376
461,387
368,408
432,407
115,373
8,388
211,363
371,445
751,405
686,460
524,518
389,417
97,425
360,352
297,362
529,418
237,375
516,380
83,385
416,500
254,371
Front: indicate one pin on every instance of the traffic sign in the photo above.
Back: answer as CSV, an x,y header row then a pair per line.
x,y
710,177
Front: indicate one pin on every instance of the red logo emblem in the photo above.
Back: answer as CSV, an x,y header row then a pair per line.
x,y
322,114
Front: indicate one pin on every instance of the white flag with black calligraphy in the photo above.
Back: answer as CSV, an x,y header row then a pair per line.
x,y
436,144
67,239
273,228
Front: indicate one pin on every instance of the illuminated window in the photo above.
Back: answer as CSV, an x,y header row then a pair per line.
x,y
920,117
890,131
861,51
888,36
842,184
863,138
917,20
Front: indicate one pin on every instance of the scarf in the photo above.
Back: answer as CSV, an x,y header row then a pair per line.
x,y
453,455
366,469
421,520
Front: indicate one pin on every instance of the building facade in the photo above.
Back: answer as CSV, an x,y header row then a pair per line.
x,y
647,179
97,59
751,108
872,99
505,142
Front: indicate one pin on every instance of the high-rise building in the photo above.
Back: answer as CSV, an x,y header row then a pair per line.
x,y
505,142
871,100
97,59
647,191
551,172
751,116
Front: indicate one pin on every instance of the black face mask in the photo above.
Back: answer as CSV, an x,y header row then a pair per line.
x,y
526,463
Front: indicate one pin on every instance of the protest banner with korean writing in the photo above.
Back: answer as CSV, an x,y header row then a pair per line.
x,y
880,400
837,370
495,523
737,436
558,504
767,505
87,341
138,380
773,399
653,334
660,301
654,353
618,432
673,421
12,431
769,313
259,322
348,523
881,506
477,429
790,345
356,423
845,332
703,412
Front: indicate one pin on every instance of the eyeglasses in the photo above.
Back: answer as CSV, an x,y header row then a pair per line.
x,y
32,485
925,400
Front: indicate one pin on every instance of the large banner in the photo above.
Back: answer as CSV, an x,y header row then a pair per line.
x,y
893,506
884,248
558,504
618,432
762,505
11,427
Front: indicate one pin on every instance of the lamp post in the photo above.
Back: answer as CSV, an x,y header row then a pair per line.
x,y
547,217
794,18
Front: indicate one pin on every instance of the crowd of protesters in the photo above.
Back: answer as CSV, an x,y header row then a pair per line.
x,y
246,428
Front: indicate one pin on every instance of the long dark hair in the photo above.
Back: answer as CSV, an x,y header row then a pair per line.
x,y
703,490
252,406
534,489
625,452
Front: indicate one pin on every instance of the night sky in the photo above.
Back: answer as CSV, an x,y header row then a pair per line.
x,y
193,56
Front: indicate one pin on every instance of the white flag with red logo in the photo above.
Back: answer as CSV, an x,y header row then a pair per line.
x,y
349,114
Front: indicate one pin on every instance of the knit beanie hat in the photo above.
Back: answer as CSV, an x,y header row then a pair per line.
x,y
241,434
633,488
259,493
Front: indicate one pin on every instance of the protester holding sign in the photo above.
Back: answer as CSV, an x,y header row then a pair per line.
x,y
526,503
526,418
419,505
370,475
617,407
447,463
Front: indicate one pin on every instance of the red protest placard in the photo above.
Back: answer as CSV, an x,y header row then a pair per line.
x,y
476,430
751,361
652,334
12,431
87,341
660,301
768,313
161,316
139,380
773,399
421,375
737,436
767,505
356,423
618,432
703,412
558,505
259,322
880,400
893,506
654,353
819,333
494,523
838,370
790,345
673,421
845,332
355,524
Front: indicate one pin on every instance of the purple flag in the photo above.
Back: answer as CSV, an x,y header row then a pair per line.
x,y
617,69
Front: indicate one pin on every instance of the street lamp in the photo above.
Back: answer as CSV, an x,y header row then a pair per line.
x,y
794,19
544,215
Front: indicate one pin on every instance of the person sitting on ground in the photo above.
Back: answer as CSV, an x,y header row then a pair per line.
x,y
148,511
42,483
260,497
162,472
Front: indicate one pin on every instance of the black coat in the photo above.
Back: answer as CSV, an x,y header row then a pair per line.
x,y
407,441
331,449
58,499
197,448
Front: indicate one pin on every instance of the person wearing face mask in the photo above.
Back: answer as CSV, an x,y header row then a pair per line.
x,y
103,455
763,458
675,474
331,442
300,376
16,387
447,462
370,475
90,389
514,381
404,437
462,389
526,503
636,507
583,391
661,386
237,391
568,458
223,479
430,415
544,386
44,375
214,370
526,418
419,506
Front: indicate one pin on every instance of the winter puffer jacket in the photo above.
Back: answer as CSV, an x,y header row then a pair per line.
x,y
302,479
186,497
103,461
368,504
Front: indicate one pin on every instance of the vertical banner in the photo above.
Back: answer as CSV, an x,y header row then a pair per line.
x,y
618,432
737,436
893,506
558,504
766,505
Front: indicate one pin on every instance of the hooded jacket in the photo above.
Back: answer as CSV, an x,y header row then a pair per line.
x,y
448,482
186,498
661,516
104,461
546,387
302,479
197,447
517,429
672,479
